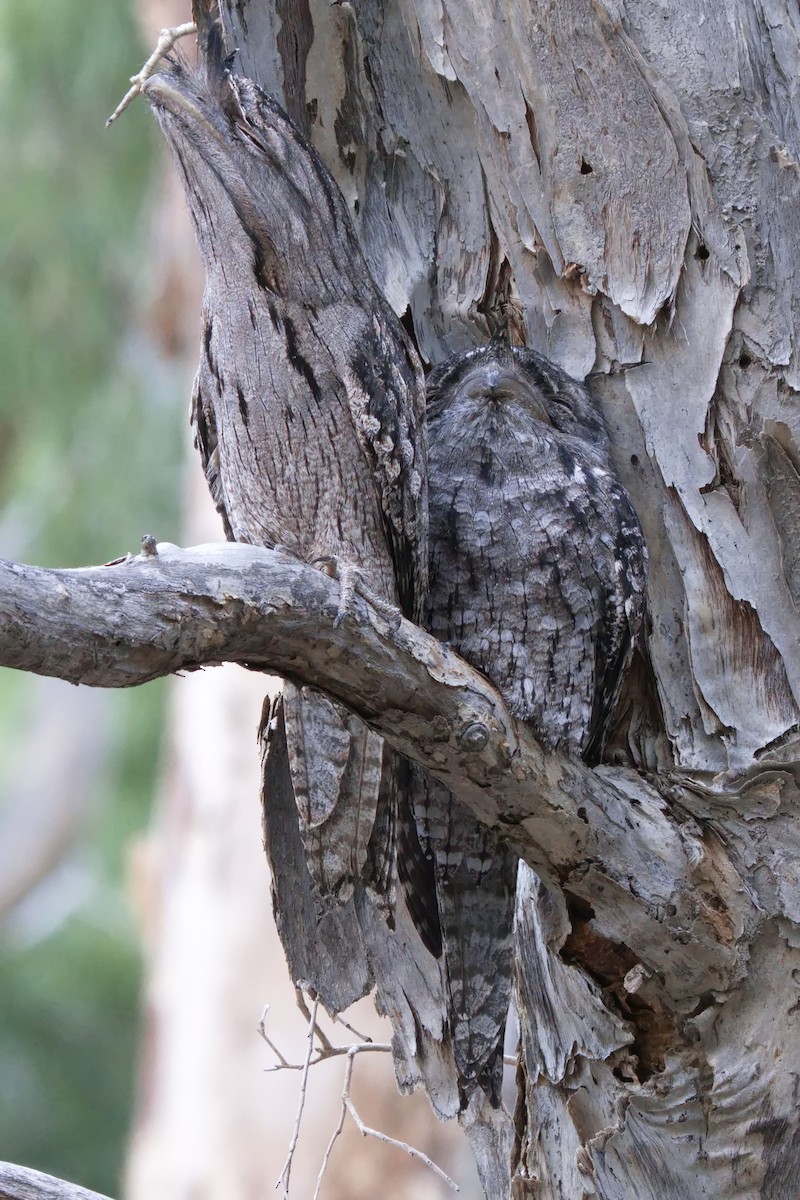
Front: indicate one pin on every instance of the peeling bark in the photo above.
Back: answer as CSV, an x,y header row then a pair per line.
x,y
626,176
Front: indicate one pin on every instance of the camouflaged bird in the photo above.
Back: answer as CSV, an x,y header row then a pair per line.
x,y
308,412
308,409
537,578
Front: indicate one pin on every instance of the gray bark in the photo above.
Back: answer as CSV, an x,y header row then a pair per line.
x,y
656,881
626,176
21,1183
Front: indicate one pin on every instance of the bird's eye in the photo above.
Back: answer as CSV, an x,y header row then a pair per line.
x,y
262,139
248,134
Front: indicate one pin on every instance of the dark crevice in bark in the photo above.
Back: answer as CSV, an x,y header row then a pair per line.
x,y
407,321
637,734
294,42
719,440
655,1036
499,305
349,122
608,963
530,118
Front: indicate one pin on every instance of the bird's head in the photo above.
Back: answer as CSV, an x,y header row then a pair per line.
x,y
503,377
252,182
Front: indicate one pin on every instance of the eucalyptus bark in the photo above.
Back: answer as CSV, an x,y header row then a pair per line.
x,y
626,180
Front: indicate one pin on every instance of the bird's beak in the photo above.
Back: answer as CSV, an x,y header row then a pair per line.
x,y
162,92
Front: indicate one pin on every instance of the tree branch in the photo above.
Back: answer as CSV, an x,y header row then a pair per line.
x,y
653,880
21,1183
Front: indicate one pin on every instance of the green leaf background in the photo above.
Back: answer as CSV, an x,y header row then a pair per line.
x,y
90,459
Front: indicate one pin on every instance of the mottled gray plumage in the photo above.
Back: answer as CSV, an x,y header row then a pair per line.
x,y
308,407
537,578
308,399
538,563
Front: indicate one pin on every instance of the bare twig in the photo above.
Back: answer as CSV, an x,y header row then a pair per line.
x,y
262,1029
334,1136
362,1037
166,40
322,1038
367,1131
326,1050
283,1179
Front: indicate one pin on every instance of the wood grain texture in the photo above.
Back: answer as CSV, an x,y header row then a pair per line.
x,y
624,176
459,146
443,106
21,1183
656,880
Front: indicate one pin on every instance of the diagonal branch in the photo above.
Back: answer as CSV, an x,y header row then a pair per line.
x,y
21,1183
653,881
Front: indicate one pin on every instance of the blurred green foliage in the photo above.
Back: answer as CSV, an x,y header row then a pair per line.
x,y
90,455
77,435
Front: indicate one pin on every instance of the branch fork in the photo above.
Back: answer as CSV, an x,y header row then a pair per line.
x,y
166,41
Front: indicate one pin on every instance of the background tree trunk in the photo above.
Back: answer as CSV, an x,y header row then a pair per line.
x,y
627,177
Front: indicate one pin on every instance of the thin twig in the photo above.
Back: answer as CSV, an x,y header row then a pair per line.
x,y
326,1050
337,1130
367,1131
352,1051
300,999
283,1179
362,1037
166,40
262,1029
322,1055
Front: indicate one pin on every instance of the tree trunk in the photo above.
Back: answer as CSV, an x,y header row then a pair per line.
x,y
627,179
623,186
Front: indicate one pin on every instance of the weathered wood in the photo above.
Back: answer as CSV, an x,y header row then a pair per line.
x,y
627,176
21,1183
624,218
655,881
